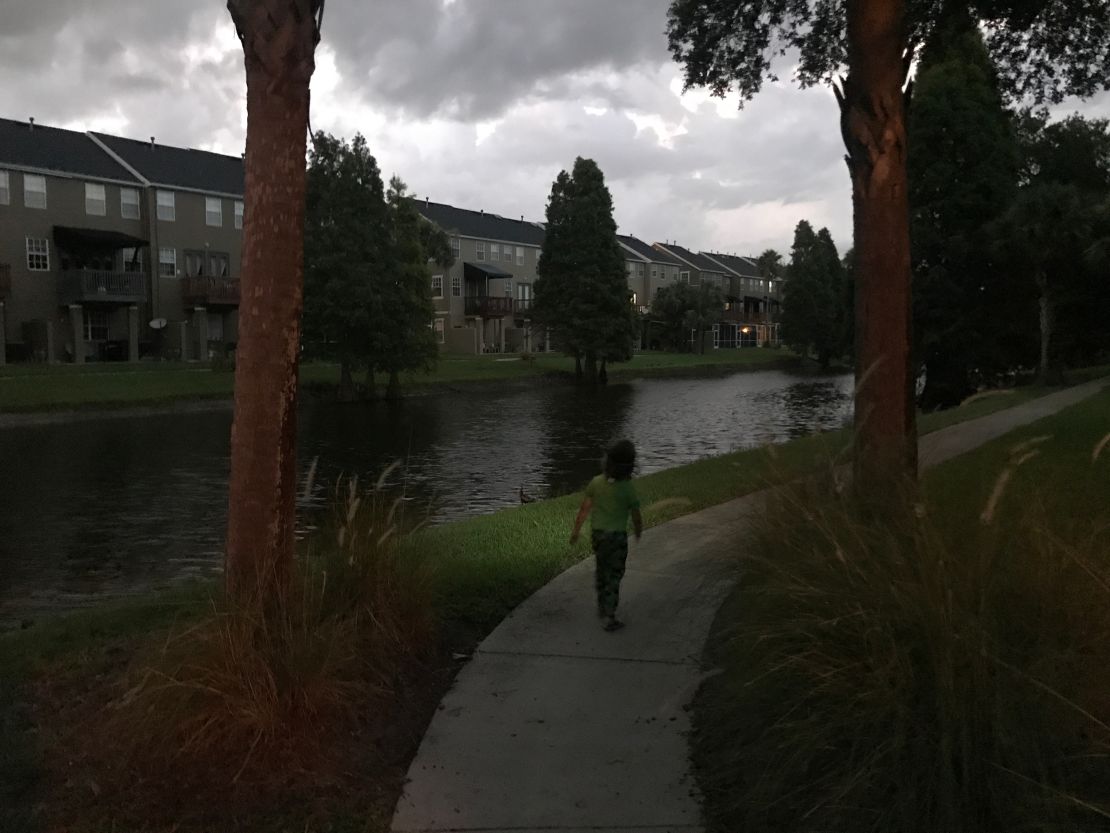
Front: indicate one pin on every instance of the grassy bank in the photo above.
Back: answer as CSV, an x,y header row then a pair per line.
x,y
932,662
482,568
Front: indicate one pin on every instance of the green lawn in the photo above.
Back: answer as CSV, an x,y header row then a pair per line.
x,y
27,388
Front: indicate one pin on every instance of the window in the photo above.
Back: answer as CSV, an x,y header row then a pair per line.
x,y
538,255
219,264
480,250
96,325
519,255
167,208
215,326
654,272
494,252
454,241
34,191
96,202
628,266
437,286
195,264
684,277
5,189
508,253
456,286
167,262
38,254
440,330
238,214
639,270
129,203
131,259
508,289
633,299
213,211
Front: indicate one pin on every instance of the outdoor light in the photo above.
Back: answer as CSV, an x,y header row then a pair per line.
x,y
745,330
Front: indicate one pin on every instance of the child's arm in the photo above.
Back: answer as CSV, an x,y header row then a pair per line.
x,y
583,513
637,522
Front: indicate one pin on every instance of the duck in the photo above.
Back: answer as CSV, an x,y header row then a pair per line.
x,y
525,497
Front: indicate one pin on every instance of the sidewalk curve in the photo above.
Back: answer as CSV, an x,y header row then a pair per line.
x,y
555,725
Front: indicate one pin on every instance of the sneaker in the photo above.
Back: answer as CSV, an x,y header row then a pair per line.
x,y
614,624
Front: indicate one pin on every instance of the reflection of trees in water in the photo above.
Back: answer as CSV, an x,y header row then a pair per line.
x,y
811,406
577,425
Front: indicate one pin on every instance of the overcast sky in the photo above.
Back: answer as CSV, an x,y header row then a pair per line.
x,y
478,103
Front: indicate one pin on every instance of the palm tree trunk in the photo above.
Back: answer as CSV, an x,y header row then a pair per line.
x,y
1046,374
873,125
279,40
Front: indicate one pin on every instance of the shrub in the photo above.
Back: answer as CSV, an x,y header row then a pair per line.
x,y
885,670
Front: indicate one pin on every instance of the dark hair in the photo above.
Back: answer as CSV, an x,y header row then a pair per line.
x,y
620,460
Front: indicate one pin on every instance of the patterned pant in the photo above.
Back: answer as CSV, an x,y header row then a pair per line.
x,y
610,553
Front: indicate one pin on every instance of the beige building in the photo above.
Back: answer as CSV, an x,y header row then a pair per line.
x,y
112,248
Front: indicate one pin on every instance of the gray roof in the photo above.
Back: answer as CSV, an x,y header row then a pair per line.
x,y
481,225
701,263
745,267
56,149
199,170
647,251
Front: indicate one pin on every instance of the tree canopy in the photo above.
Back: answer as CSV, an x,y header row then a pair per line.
x,y
581,293
679,309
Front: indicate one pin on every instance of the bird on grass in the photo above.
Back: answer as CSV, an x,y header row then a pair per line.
x,y
525,497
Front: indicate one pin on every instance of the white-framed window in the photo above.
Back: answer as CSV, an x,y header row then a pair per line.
x,y
495,252
628,266
454,241
519,255
96,325
508,254
440,330
456,286
131,260
129,203
5,189
38,254
213,211
639,270
437,286
167,207
480,250
96,200
684,277
654,272
508,289
34,191
167,262
238,214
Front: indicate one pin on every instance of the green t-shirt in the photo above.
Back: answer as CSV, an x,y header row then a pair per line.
x,y
612,501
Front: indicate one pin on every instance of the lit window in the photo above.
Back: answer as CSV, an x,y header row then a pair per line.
x,y
96,325
34,191
456,286
5,189
437,286
167,208
480,250
38,254
213,211
96,202
455,247
167,262
129,203
494,252
238,214
519,255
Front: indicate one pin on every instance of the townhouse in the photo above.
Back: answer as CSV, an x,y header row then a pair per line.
x,y
115,248
649,269
758,299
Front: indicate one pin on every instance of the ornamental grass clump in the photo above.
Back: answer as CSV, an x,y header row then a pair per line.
x,y
883,669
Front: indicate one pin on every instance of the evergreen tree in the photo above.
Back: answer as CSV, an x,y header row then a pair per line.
x,y
345,255
813,313
963,172
581,292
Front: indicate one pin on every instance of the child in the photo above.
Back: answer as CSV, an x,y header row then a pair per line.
x,y
610,499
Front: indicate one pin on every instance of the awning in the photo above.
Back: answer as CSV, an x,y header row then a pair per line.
x,y
69,237
478,271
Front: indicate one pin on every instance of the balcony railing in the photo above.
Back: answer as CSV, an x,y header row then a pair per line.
x,y
84,285
489,306
5,281
211,292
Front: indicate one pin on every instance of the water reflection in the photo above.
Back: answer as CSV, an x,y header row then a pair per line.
x,y
118,505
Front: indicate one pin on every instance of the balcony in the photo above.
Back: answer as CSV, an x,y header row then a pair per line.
x,y
5,281
489,306
202,291
522,307
96,286
734,316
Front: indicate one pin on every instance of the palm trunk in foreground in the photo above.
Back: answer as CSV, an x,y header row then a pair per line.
x,y
279,39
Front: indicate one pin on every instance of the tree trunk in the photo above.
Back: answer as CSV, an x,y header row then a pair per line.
x,y
393,386
370,385
1048,373
590,367
279,38
872,106
577,366
603,373
346,391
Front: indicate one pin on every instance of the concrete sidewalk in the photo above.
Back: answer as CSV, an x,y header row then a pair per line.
x,y
557,725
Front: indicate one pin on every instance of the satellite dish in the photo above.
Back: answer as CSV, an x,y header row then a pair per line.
x,y
158,324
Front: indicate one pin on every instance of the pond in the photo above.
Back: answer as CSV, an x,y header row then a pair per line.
x,y
103,508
